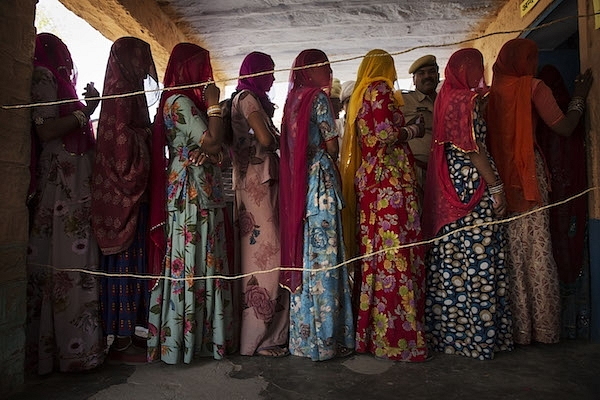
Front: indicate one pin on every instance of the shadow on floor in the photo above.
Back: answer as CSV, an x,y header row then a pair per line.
x,y
569,370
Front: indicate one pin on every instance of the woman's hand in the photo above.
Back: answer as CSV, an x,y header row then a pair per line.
x,y
583,83
90,92
212,94
499,204
197,157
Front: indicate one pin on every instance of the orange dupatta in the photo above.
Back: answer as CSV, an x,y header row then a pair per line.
x,y
510,123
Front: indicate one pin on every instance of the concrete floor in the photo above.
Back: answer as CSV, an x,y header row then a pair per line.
x,y
565,371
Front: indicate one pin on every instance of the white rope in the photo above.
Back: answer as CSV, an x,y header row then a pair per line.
x,y
324,269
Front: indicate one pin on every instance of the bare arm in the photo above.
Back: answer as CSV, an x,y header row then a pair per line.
x,y
567,125
54,128
333,148
261,130
481,161
213,139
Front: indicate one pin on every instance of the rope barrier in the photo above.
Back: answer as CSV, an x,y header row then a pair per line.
x,y
201,84
324,269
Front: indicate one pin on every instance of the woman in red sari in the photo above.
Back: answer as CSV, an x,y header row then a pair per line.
x,y
119,190
516,102
566,160
391,311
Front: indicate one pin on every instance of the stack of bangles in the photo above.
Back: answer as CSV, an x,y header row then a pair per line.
x,y
577,103
214,111
496,189
81,118
411,131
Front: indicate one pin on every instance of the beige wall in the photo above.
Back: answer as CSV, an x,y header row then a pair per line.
x,y
17,44
508,20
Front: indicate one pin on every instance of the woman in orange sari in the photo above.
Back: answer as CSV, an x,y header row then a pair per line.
x,y
516,102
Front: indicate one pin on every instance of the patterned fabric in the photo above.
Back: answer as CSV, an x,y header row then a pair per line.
x,y
191,317
124,300
467,283
63,310
188,64
321,313
265,314
305,85
464,84
119,186
391,311
122,164
535,298
377,66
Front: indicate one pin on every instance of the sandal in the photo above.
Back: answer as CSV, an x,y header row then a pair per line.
x,y
273,352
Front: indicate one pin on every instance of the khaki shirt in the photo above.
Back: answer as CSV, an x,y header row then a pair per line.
x,y
418,103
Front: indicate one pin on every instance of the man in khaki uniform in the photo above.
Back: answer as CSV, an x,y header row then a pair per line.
x,y
419,103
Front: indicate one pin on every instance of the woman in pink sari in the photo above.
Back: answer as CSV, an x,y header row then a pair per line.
x,y
265,305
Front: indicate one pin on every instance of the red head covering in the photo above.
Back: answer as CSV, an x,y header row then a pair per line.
x,y
53,54
189,64
453,123
510,123
305,84
259,85
122,162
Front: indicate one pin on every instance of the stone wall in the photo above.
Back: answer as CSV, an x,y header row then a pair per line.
x,y
139,18
17,45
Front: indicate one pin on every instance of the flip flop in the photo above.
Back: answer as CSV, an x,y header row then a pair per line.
x,y
273,352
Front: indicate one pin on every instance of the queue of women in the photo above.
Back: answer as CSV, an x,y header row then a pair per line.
x,y
328,253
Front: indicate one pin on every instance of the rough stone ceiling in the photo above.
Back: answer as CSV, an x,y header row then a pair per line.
x,y
230,29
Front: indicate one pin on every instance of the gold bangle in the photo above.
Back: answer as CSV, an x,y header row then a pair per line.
x,y
213,109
